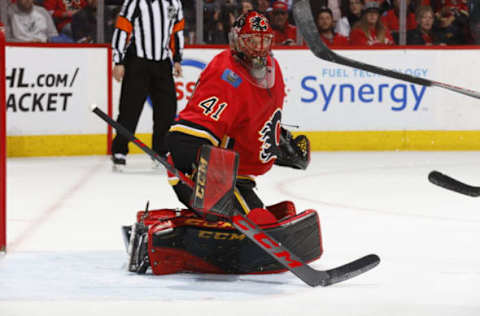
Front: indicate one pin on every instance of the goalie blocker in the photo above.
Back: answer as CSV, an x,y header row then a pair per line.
x,y
171,241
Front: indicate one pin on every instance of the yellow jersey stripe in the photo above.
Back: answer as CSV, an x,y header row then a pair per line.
x,y
195,132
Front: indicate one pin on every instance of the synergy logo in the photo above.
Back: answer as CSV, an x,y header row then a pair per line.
x,y
359,87
185,85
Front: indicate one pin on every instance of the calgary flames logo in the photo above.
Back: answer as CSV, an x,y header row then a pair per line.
x,y
270,137
258,23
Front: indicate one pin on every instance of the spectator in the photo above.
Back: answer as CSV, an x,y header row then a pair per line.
x,y
458,5
62,12
424,34
474,13
325,28
452,19
385,5
333,5
352,13
229,11
27,22
84,23
284,32
369,30
189,10
246,5
214,31
391,19
263,7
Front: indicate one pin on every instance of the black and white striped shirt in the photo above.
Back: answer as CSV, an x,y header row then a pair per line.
x,y
154,27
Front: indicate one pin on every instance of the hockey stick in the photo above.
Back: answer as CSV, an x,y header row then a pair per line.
x,y
304,20
285,257
154,155
449,183
293,263
207,181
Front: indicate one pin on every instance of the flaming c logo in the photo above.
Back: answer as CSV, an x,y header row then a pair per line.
x,y
270,137
258,23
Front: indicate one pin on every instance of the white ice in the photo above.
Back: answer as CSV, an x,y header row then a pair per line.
x,y
66,255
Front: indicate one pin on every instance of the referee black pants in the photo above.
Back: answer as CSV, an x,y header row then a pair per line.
x,y
146,78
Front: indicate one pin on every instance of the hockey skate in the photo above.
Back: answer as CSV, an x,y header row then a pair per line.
x,y
119,162
138,260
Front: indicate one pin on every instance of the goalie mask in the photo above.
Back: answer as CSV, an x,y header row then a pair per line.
x,y
251,40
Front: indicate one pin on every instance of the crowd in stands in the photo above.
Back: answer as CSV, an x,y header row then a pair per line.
x,y
353,22
57,21
340,22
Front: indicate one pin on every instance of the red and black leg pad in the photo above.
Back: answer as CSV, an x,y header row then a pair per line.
x,y
213,192
180,241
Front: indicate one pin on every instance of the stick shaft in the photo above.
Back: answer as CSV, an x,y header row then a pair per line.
x,y
305,22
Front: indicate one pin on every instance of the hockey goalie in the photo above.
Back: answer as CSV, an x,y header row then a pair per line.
x,y
237,105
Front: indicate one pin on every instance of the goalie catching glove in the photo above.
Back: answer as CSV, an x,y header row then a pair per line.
x,y
293,152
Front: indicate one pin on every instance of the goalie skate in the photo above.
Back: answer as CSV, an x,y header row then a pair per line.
x,y
137,249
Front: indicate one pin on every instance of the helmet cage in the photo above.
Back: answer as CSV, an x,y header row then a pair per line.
x,y
255,45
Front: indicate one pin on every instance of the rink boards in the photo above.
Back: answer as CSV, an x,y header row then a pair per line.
x,y
340,108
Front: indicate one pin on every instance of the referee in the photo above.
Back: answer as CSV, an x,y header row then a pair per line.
x,y
148,36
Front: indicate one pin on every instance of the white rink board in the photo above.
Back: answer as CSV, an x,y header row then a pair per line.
x,y
319,93
50,89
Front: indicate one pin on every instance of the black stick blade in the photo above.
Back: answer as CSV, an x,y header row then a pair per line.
x,y
352,269
449,183
293,263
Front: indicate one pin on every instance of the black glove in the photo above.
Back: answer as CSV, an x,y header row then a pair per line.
x,y
293,152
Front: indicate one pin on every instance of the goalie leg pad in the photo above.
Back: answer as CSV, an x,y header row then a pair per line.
x,y
179,241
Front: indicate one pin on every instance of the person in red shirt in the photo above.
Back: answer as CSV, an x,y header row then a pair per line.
x,y
326,29
237,104
391,19
453,20
62,12
284,32
370,31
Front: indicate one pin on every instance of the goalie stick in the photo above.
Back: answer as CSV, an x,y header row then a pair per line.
x,y
304,20
126,133
449,183
275,249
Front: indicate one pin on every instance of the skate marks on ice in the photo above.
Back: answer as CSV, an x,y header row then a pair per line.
x,y
100,275
395,187
139,164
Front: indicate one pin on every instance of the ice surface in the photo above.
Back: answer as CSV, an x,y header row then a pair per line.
x,y
66,255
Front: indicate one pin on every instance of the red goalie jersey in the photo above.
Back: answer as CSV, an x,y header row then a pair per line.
x,y
232,111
